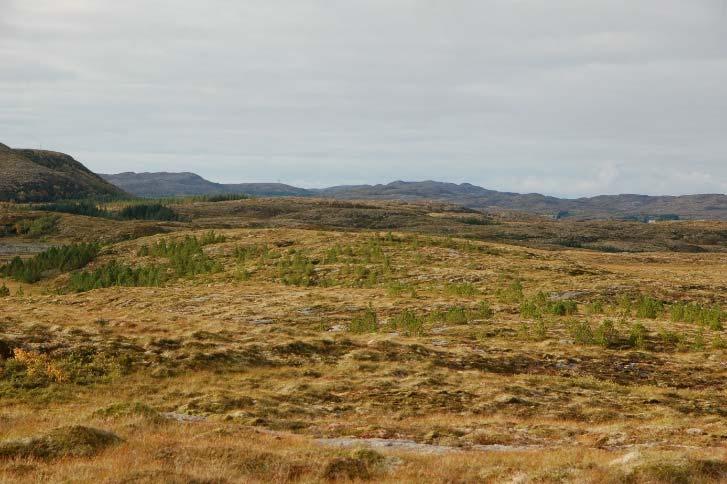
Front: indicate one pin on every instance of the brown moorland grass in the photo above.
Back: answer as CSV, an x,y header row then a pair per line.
x,y
251,373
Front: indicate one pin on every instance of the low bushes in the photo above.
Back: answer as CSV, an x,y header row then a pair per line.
x,y
185,258
408,323
64,258
37,227
367,322
648,307
540,305
461,315
296,269
513,293
698,314
462,290
117,274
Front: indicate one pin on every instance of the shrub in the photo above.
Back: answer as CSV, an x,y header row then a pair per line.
x,y
512,293
606,334
248,252
537,331
373,252
396,289
39,366
297,270
638,335
116,274
363,276
409,323
670,337
185,256
367,322
648,307
332,255
581,332
4,291
462,290
698,314
529,309
37,227
562,308
212,237
539,305
540,330
594,307
473,221
483,311
241,274
719,343
699,343
455,315
461,315
64,258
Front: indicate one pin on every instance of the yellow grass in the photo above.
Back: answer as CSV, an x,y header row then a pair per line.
x,y
270,369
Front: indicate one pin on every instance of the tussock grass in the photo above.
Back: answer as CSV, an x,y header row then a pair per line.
x,y
206,378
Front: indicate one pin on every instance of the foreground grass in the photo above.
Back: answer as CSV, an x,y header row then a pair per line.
x,y
496,363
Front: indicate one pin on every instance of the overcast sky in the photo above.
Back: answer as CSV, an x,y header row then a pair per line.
x,y
564,97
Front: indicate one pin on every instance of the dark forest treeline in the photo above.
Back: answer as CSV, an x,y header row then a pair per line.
x,y
141,211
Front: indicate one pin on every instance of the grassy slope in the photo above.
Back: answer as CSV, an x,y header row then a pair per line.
x,y
268,368
36,175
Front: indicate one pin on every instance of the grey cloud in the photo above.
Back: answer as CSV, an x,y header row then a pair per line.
x,y
561,96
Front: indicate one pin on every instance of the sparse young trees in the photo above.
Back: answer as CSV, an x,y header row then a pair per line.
x,y
64,258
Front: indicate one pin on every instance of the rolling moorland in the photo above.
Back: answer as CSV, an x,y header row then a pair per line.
x,y
221,338
637,207
214,339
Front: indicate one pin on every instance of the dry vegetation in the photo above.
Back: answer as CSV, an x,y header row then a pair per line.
x,y
286,346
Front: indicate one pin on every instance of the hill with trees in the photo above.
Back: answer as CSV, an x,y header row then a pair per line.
x,y
30,175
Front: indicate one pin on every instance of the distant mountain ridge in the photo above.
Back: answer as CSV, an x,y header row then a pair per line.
x,y
471,196
29,175
164,184
706,206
